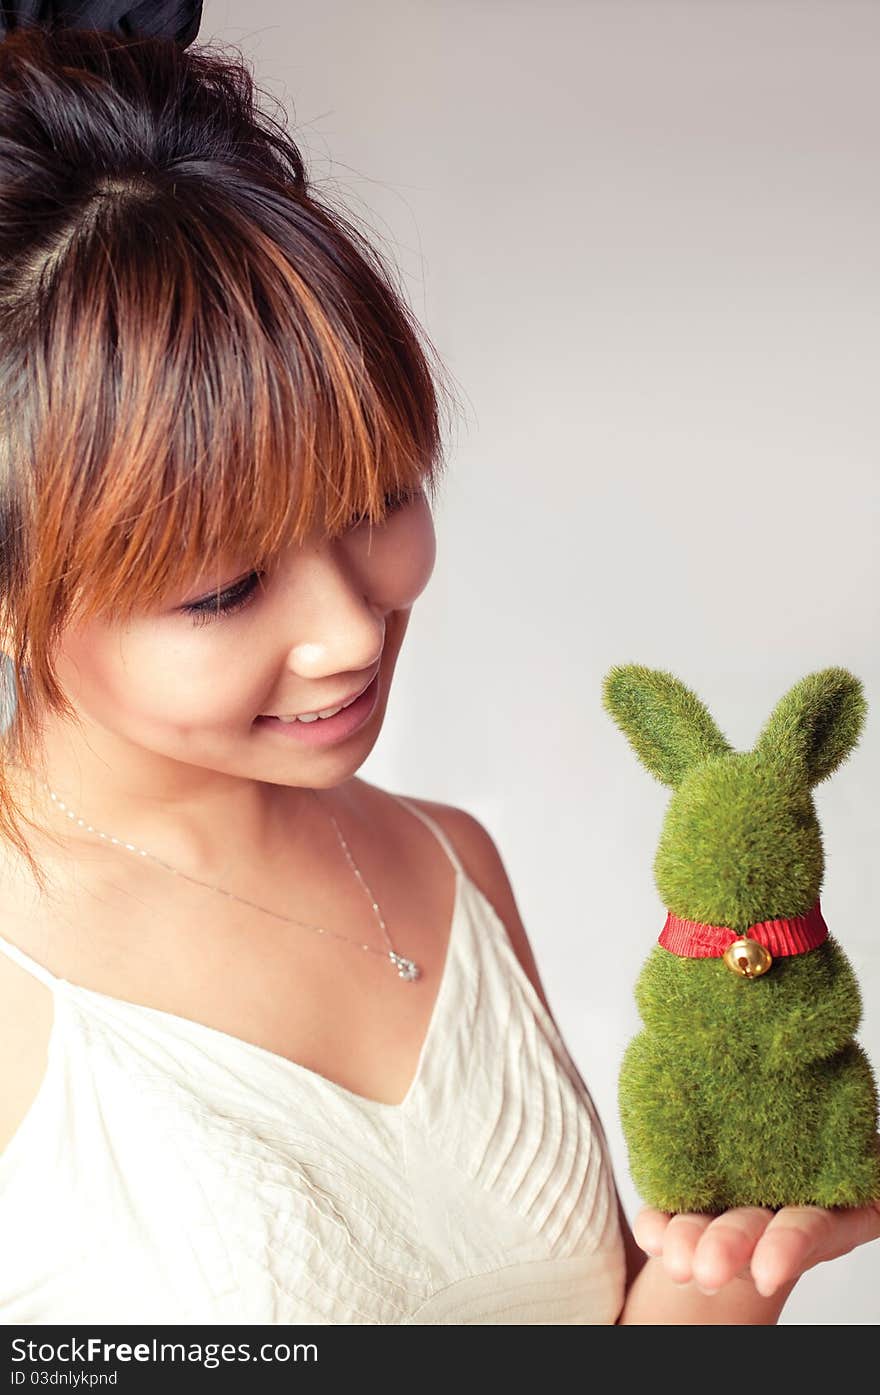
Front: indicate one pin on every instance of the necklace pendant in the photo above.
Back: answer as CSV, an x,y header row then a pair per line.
x,y
405,967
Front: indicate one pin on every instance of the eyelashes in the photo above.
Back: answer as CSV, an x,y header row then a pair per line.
x,y
238,596
393,502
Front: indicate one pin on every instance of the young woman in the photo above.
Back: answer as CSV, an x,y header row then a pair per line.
x,y
274,1046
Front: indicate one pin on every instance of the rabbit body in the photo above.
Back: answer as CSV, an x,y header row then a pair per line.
x,y
749,1093
741,1091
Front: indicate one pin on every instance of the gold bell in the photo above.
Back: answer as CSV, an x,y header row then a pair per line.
x,y
747,958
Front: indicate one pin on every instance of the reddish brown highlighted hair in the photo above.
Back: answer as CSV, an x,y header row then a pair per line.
x,y
198,356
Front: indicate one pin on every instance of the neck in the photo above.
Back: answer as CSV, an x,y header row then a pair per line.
x,y
694,939
202,821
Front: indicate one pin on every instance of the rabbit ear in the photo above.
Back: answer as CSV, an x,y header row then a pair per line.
x,y
669,728
816,725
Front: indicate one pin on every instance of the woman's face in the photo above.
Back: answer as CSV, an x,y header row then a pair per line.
x,y
172,697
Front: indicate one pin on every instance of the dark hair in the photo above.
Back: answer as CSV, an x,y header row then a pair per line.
x,y
197,354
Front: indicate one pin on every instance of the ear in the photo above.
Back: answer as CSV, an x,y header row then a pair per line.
x,y
668,727
816,725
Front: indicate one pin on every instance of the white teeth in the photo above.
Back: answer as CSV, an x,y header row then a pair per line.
x,y
314,716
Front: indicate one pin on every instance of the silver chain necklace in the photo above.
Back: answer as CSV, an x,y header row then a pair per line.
x,y
406,968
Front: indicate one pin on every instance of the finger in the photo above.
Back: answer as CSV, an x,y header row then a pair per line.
x,y
724,1249
649,1227
800,1237
680,1240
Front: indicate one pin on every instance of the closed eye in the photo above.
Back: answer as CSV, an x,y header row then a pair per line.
x,y
393,502
226,602
236,597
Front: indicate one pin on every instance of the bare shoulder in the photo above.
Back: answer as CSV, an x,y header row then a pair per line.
x,y
483,863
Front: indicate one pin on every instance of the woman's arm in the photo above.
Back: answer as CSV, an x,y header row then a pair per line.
x,y
740,1266
654,1298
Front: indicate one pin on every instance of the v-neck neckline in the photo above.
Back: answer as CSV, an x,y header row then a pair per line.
x,y
276,1058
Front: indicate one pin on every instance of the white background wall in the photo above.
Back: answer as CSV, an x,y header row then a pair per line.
x,y
643,235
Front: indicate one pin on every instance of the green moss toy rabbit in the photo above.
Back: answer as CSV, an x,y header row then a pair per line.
x,y
745,1087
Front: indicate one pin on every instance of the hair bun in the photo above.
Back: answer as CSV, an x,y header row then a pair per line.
x,y
146,19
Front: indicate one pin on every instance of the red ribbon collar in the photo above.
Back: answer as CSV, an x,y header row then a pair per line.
x,y
791,935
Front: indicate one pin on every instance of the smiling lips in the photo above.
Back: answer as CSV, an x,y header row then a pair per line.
x,y
323,712
314,731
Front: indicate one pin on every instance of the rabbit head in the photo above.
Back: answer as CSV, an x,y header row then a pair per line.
x,y
741,841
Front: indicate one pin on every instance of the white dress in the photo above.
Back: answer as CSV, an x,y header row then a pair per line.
x,y
168,1172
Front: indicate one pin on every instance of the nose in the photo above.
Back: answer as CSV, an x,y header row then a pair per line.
x,y
339,627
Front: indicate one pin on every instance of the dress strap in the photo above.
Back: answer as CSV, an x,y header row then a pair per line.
x,y
19,957
435,828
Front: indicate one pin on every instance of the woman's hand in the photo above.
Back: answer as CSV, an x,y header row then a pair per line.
x,y
765,1248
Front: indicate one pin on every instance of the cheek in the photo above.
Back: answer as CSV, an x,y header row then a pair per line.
x,y
141,679
400,566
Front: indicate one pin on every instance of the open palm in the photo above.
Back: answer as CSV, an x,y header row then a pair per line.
x,y
767,1248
